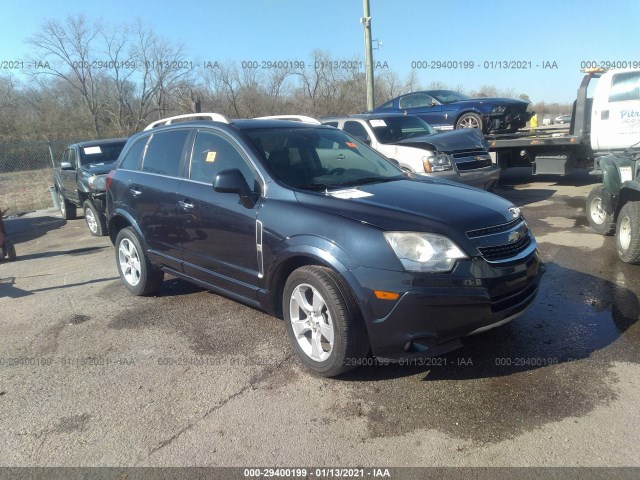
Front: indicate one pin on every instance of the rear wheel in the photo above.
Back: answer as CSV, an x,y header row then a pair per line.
x,y
67,209
138,274
628,233
95,220
323,321
600,221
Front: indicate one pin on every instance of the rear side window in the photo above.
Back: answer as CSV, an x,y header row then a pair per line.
x,y
164,152
131,160
625,87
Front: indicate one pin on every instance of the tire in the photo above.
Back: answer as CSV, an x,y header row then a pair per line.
x,y
11,250
96,220
470,120
68,210
628,233
319,290
600,221
137,273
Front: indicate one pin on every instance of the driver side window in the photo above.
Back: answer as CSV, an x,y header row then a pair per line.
x,y
356,130
212,153
416,100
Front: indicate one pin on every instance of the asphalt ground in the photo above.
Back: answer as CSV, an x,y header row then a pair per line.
x,y
93,376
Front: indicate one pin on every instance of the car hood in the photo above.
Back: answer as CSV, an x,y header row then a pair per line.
x,y
447,142
98,168
428,205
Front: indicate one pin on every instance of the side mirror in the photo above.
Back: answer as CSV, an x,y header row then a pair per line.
x,y
66,166
232,181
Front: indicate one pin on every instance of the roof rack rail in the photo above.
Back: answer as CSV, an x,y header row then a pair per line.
x,y
216,117
294,118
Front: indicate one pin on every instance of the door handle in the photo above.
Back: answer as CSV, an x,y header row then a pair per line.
x,y
185,205
340,156
135,193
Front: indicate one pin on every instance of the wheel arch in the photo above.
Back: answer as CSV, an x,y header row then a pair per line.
x,y
630,192
121,220
304,255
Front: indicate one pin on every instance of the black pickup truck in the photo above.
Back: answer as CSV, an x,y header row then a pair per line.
x,y
80,180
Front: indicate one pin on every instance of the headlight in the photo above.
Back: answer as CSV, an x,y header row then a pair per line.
x,y
424,252
437,163
98,182
498,110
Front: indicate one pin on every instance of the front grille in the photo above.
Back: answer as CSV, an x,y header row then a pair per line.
x,y
468,153
473,164
502,252
481,232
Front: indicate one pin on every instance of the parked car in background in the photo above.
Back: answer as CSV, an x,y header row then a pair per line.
x,y
460,155
307,223
448,110
562,119
80,180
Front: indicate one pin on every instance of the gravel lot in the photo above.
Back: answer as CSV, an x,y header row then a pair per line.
x,y
92,376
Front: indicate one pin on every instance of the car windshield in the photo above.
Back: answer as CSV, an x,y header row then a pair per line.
x,y
320,158
106,153
394,129
448,96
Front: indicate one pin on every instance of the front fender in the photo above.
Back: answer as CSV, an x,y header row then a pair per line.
x,y
610,174
309,249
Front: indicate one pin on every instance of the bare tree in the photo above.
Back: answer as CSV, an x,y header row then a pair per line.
x,y
67,52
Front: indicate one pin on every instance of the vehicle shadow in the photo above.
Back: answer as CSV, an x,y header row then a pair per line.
x,y
575,316
75,252
25,228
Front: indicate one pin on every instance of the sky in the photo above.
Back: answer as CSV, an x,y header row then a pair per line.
x,y
531,47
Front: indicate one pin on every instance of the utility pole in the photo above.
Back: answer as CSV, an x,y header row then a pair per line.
x,y
368,51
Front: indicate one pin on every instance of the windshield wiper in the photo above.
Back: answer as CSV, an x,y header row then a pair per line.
x,y
365,180
312,186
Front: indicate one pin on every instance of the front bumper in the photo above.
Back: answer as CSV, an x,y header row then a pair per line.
x,y
436,309
483,178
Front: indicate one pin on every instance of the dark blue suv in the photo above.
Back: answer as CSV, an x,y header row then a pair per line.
x,y
305,222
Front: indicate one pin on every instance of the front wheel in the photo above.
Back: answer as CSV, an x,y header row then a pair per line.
x,y
600,221
138,274
96,220
628,233
470,120
323,321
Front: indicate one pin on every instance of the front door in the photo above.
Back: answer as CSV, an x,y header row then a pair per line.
x,y
219,233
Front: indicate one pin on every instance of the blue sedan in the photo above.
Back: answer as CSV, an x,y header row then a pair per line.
x,y
446,110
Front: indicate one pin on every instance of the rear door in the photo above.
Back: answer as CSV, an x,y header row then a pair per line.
x,y
220,235
151,175
68,176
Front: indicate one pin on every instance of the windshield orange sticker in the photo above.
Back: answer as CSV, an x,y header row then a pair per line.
x,y
351,145
211,157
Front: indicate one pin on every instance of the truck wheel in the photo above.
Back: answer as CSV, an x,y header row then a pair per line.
x,y
628,233
138,274
469,120
323,321
67,209
96,220
600,221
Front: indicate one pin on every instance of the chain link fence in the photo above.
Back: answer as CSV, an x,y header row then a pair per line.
x,y
26,174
